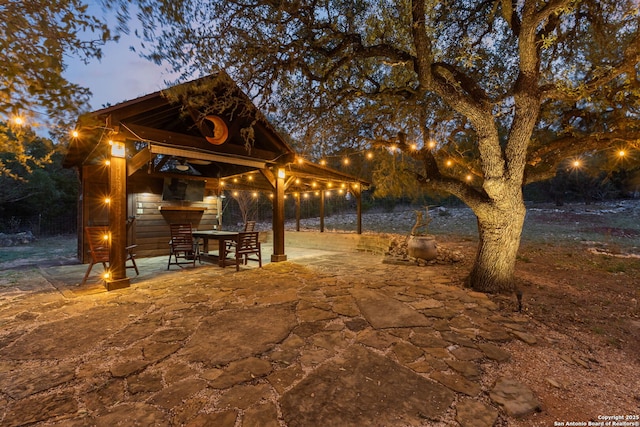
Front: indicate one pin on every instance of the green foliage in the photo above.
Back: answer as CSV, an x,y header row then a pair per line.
x,y
353,75
32,180
36,39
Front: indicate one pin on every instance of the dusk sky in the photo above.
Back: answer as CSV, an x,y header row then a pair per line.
x,y
120,75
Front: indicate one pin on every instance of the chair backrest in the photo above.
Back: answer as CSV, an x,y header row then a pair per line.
x,y
248,242
249,226
181,237
98,239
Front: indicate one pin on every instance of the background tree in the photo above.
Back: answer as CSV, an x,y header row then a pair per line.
x,y
34,189
487,95
36,40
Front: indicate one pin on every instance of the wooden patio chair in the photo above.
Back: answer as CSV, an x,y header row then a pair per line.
x,y
182,246
246,244
98,239
248,226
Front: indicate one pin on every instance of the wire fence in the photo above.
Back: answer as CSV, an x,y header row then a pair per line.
x,y
40,225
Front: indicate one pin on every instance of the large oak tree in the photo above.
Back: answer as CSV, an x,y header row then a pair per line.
x,y
488,95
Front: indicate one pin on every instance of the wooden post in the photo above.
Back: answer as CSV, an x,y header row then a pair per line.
x,y
322,211
278,218
358,194
117,219
297,196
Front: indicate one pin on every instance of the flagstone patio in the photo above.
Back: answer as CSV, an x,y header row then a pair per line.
x,y
326,338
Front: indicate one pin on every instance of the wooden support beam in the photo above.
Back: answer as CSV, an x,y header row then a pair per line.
x,y
278,218
141,158
322,211
185,141
358,194
117,224
297,196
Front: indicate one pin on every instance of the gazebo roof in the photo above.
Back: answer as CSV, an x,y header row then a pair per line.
x,y
180,127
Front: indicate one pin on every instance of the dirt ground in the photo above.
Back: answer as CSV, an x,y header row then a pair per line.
x,y
581,291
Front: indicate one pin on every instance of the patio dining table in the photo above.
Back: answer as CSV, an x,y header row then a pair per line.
x,y
221,236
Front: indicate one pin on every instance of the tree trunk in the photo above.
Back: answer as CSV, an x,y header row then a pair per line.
x,y
499,230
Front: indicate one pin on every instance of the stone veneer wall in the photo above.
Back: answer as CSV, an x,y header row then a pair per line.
x,y
331,241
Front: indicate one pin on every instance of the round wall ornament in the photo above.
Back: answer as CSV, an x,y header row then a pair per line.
x,y
220,130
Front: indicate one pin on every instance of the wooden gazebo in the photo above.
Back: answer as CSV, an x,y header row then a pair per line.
x,y
168,157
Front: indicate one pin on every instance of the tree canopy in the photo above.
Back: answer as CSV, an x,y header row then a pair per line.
x,y
486,95
37,39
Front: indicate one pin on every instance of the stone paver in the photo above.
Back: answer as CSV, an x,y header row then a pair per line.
x,y
332,339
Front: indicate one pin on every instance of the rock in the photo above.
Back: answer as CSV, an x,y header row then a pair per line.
x,y
406,352
265,415
567,358
457,383
363,388
242,371
466,353
466,369
471,413
553,382
425,338
243,396
145,382
130,367
581,362
384,312
283,379
20,383
234,335
427,303
516,398
523,336
39,408
132,414
494,352
495,334
218,419
170,397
